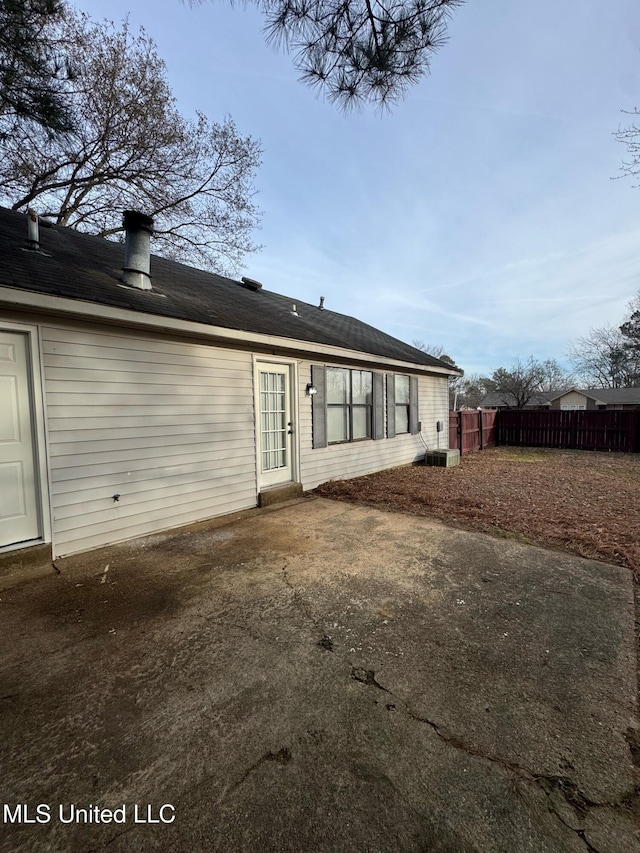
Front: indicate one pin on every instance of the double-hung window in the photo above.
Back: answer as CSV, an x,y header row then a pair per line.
x,y
403,403
349,404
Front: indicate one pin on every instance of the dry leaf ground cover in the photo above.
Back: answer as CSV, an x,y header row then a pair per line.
x,y
586,502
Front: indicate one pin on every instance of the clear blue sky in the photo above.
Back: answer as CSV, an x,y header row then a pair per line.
x,y
480,214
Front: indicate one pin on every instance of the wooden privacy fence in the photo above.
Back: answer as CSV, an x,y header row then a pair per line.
x,y
572,430
579,430
474,430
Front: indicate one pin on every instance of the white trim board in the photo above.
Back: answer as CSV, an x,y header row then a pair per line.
x,y
95,312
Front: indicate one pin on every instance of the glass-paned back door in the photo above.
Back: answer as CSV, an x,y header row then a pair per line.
x,y
275,425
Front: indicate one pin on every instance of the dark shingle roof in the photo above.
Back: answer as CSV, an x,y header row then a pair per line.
x,y
614,396
538,398
78,266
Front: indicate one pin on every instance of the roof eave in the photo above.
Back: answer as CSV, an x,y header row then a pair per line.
x,y
97,312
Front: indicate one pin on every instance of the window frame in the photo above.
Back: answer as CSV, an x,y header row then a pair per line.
x,y
414,407
349,406
404,406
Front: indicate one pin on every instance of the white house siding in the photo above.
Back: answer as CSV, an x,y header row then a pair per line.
x,y
169,426
353,459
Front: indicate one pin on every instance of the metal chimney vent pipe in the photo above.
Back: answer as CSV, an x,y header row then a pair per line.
x,y
137,249
33,232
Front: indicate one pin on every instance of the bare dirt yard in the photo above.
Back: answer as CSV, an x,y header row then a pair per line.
x,y
586,502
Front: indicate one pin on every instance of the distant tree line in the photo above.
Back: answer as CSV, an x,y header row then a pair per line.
x,y
607,357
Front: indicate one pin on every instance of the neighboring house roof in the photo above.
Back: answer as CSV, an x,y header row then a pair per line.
x,y
81,267
602,396
494,401
611,396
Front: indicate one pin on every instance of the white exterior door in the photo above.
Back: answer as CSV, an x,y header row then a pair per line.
x,y
19,518
275,424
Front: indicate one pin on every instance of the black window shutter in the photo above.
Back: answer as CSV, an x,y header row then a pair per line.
x,y
319,406
391,405
413,405
378,406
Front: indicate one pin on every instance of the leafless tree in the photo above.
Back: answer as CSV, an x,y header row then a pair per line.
x,y
456,383
517,385
436,350
474,388
555,377
131,148
630,137
601,360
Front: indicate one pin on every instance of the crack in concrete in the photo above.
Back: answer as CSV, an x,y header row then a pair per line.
x,y
283,756
570,792
325,642
367,677
582,837
112,839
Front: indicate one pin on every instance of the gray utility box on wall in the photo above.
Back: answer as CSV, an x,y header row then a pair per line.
x,y
442,458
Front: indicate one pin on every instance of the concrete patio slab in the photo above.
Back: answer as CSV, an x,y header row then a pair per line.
x,y
319,677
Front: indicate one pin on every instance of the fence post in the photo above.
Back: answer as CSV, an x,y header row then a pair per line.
x,y
573,435
481,424
460,432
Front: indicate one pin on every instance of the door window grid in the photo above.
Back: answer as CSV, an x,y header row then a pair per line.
x,y
273,421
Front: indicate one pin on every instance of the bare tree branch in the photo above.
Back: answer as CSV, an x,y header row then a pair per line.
x,y
601,360
131,148
517,385
630,137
